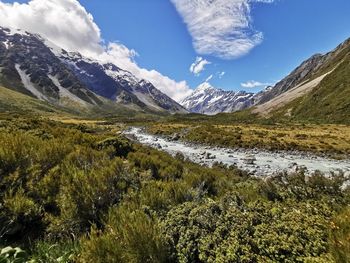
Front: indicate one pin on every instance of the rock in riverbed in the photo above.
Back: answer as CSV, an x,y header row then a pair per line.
x,y
249,159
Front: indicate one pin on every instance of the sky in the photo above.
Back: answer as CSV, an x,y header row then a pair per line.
x,y
179,44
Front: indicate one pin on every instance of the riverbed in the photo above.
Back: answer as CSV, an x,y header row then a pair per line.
x,y
255,161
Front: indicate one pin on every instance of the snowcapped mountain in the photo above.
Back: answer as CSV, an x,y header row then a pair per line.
x,y
32,65
114,83
28,66
209,100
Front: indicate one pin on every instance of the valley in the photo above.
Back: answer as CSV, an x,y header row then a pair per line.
x,y
103,161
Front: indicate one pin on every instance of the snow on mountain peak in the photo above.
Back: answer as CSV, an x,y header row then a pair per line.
x,y
12,31
209,100
204,87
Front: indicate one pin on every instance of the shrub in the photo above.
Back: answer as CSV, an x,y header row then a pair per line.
x,y
90,184
65,251
232,231
121,146
340,236
131,235
20,215
13,255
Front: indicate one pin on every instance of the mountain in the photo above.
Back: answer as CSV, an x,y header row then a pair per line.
x,y
209,100
29,64
114,83
319,89
33,66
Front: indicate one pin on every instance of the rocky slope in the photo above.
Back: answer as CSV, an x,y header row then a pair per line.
x,y
32,65
209,100
28,66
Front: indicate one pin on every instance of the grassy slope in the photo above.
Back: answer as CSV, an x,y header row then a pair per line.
x,y
332,140
12,101
327,103
330,101
15,102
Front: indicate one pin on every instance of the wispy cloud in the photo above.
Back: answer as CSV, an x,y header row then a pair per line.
x,y
254,84
264,1
199,65
221,74
209,78
67,24
220,27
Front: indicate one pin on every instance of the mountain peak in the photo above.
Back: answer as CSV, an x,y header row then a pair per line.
x,y
205,86
209,100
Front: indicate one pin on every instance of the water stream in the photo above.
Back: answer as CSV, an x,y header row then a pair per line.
x,y
257,162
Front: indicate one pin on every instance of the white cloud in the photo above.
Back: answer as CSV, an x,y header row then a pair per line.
x,y
253,84
264,1
220,27
199,65
67,24
209,78
221,74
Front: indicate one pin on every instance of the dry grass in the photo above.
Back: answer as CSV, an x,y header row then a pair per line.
x,y
96,125
68,120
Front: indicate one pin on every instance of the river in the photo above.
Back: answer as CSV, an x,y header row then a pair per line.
x,y
256,162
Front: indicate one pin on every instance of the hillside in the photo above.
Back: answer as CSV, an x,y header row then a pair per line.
x,y
312,68
320,82
15,102
317,91
328,102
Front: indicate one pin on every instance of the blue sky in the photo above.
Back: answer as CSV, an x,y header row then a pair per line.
x,y
293,30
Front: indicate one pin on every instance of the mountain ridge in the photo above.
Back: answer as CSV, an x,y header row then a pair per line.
x,y
208,100
32,65
308,70
36,67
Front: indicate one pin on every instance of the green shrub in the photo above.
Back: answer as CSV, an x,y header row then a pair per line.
x,y
340,236
66,196
21,216
232,231
121,146
131,235
13,255
90,184
65,251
